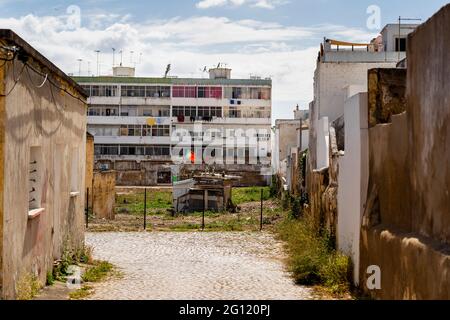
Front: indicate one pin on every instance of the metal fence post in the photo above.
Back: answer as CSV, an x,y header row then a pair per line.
x,y
145,209
203,216
261,220
87,208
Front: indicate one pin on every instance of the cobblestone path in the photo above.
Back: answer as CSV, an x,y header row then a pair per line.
x,y
194,266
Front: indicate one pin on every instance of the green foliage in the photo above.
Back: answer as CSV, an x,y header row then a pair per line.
x,y
296,208
312,259
50,279
133,203
82,293
98,271
72,257
250,194
27,287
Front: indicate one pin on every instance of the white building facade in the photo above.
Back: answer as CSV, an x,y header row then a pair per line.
x,y
138,124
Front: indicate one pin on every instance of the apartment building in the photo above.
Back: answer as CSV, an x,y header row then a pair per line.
x,y
140,125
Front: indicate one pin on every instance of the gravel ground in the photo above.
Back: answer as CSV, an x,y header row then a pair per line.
x,y
195,266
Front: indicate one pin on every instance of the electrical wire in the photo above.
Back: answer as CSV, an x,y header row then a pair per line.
x,y
43,82
15,81
45,75
55,85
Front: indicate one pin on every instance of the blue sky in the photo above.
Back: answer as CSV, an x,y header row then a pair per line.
x,y
276,38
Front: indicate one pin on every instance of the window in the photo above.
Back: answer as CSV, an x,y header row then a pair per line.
x,y
177,111
237,93
184,111
133,91
400,44
103,91
210,92
184,92
204,111
234,113
106,150
201,92
157,92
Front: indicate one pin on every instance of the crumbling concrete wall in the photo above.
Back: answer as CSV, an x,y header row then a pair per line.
x,y
104,194
406,223
387,94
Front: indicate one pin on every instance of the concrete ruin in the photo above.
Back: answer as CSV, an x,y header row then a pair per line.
x,y
209,192
42,164
104,194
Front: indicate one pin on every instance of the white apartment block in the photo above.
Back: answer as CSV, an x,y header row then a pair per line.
x,y
136,123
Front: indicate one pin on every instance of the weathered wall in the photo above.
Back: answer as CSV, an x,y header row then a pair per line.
x,y
406,224
428,95
104,194
56,122
288,137
323,188
133,173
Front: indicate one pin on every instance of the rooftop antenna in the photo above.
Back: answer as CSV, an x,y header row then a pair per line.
x,y
98,64
400,19
79,66
121,57
169,66
131,57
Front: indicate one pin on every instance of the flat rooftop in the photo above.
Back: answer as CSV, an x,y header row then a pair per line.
x,y
172,81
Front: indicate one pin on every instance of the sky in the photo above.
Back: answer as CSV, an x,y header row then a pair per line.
x,y
268,38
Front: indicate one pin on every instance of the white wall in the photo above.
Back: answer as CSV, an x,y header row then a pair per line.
x,y
333,79
323,143
353,178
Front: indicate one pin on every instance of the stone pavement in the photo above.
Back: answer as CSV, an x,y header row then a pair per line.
x,y
195,266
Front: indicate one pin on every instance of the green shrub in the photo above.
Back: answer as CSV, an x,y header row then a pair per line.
x,y
313,261
50,279
251,194
97,272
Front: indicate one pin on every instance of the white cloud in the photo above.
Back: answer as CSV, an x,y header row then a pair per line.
x,y
264,4
285,53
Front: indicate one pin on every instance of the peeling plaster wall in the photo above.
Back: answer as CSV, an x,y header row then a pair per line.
x,y
428,95
56,123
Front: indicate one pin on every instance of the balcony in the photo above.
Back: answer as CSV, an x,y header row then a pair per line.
x,y
132,140
133,158
227,121
127,120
